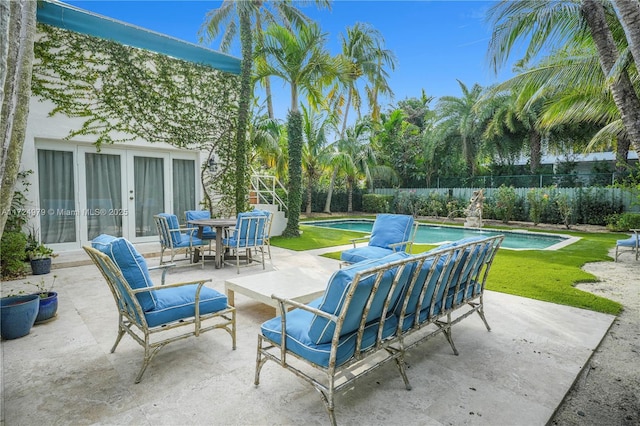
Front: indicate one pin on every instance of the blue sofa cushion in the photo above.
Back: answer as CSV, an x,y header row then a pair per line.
x,y
173,304
391,229
207,232
360,254
172,221
321,330
299,342
131,263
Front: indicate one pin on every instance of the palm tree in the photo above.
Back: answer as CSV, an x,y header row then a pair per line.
x,y
315,154
18,19
459,122
282,12
355,157
560,24
363,48
629,12
302,61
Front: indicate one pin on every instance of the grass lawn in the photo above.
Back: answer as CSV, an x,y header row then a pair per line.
x,y
537,274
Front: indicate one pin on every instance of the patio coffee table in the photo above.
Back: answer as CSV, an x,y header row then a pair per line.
x,y
300,285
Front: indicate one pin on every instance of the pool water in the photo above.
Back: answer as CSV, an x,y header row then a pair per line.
x,y
433,234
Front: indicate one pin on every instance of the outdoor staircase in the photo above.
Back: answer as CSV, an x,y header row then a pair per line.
x,y
263,196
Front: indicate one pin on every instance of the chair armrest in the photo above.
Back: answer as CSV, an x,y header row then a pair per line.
x,y
165,269
359,239
401,243
162,287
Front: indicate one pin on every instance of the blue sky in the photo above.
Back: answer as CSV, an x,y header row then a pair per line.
x,y
435,42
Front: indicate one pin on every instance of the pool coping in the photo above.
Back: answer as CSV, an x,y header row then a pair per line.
x,y
568,239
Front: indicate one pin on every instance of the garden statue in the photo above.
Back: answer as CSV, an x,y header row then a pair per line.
x,y
474,211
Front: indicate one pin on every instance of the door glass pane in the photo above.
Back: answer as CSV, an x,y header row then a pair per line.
x,y
148,193
184,187
57,196
104,195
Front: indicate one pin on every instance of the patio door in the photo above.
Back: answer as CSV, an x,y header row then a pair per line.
x,y
115,191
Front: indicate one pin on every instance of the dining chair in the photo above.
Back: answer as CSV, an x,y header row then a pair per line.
x,y
248,235
175,238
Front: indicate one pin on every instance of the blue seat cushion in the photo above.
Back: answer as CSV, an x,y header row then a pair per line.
x,y
359,254
391,229
172,221
131,263
299,342
321,330
629,242
176,303
186,241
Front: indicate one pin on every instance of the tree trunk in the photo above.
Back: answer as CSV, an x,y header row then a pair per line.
x,y
535,140
622,155
243,110
332,183
309,195
624,94
350,196
267,79
294,131
629,12
18,26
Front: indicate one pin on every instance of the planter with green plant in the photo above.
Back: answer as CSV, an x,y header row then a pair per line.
x,y
40,259
48,299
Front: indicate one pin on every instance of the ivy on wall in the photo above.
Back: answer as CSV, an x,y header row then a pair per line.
x,y
125,93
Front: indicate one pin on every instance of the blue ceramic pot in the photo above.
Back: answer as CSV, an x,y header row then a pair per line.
x,y
48,307
17,315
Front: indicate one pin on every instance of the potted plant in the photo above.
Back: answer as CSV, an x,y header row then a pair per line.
x,y
17,315
48,299
40,259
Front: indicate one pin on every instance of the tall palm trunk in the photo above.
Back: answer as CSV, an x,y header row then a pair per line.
x,y
309,194
243,109
18,29
622,155
630,18
266,80
334,174
350,196
535,140
624,94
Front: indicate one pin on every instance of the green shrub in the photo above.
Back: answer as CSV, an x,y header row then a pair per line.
x,y
538,200
593,206
376,203
623,222
505,203
12,247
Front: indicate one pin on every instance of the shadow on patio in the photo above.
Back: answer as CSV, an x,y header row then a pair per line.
x,y
63,373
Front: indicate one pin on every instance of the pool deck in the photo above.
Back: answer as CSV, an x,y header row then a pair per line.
x,y
63,373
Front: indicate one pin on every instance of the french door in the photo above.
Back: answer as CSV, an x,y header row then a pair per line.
x,y
85,193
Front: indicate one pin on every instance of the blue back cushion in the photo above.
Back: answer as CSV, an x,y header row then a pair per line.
x,y
198,215
390,229
172,220
321,330
248,232
131,263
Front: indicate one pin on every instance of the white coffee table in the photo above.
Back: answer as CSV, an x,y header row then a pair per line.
x,y
298,284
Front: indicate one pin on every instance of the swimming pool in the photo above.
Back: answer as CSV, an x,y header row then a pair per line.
x,y
438,234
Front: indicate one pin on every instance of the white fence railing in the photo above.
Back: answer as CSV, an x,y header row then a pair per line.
x,y
263,191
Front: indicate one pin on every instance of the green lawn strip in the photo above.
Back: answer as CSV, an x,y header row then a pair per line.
x,y
314,237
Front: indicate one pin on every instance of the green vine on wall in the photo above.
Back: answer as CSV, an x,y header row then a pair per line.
x,y
124,93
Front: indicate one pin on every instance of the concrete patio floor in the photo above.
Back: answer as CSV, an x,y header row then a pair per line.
x,y
63,373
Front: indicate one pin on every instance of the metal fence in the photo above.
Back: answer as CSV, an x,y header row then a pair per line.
x,y
572,180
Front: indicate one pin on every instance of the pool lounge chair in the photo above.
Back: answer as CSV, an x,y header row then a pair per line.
x,y
391,233
631,242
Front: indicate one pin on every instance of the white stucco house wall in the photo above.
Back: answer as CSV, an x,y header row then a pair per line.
x,y
76,192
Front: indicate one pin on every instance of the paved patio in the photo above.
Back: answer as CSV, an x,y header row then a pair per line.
x,y
63,373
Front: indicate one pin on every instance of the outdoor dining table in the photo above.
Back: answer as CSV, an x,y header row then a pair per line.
x,y
221,225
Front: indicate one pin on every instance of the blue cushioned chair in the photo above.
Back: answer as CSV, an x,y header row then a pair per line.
x,y
207,232
147,311
175,238
390,233
249,234
631,242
